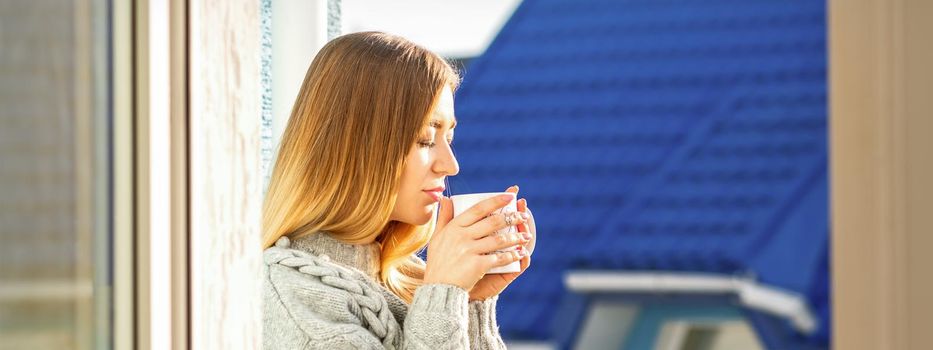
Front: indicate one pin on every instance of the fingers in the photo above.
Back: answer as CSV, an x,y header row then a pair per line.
x,y
445,213
530,223
482,209
526,261
522,205
500,242
502,258
494,223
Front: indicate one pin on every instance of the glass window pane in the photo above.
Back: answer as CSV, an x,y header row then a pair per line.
x,y
55,270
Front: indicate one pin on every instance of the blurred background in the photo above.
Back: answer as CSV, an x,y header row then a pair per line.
x,y
676,155
55,233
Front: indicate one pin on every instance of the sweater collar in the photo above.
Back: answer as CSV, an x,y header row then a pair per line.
x,y
363,257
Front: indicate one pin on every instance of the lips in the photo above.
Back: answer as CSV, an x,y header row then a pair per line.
x,y
435,195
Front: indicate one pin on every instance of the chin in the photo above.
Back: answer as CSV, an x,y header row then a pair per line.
x,y
420,218
424,220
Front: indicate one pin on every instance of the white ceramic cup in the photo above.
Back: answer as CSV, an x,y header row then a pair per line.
x,y
462,202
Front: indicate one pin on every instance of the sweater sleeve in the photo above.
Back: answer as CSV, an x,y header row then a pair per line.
x,y
437,318
483,327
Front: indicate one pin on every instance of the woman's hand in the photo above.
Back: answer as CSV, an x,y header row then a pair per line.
x,y
456,250
493,284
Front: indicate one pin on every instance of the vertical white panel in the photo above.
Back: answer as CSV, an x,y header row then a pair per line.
x,y
161,175
159,168
225,182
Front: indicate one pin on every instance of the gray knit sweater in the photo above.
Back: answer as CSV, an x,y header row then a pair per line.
x,y
322,293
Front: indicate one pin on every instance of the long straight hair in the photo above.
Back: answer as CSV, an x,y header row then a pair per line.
x,y
363,102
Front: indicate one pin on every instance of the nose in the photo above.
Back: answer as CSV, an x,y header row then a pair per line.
x,y
446,162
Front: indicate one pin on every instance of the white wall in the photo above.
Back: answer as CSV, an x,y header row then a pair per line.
x,y
299,30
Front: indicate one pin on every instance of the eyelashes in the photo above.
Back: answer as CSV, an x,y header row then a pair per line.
x,y
429,144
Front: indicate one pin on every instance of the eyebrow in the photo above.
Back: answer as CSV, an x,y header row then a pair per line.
x,y
437,124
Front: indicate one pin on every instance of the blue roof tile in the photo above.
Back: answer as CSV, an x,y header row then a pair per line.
x,y
655,135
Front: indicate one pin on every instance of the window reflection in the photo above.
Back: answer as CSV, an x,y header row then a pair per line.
x,y
54,175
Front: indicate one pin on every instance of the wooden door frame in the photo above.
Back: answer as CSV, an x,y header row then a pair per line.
x,y
882,199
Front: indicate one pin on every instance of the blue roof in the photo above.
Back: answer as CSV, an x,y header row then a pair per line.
x,y
655,135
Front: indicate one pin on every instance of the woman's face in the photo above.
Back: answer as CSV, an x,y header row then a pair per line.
x,y
429,162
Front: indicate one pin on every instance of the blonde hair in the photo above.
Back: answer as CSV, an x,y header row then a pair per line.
x,y
363,102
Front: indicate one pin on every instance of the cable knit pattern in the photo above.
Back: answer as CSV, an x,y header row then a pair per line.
x,y
320,293
483,324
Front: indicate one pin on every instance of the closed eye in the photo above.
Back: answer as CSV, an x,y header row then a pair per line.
x,y
429,144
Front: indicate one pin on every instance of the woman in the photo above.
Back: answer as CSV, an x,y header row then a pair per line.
x,y
347,210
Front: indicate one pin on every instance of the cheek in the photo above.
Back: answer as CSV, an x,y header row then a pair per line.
x,y
418,165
